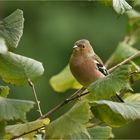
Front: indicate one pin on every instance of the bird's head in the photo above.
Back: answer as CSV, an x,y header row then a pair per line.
x,y
82,47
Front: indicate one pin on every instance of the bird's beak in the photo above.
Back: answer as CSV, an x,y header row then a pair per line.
x,y
75,46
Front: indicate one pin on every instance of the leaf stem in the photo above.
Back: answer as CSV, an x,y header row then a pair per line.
x,y
125,61
35,96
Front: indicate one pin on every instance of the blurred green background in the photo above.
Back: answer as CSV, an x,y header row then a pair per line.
x,y
50,30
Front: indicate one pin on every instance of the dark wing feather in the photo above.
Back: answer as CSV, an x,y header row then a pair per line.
x,y
100,66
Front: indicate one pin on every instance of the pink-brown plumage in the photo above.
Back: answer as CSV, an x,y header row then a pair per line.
x,y
85,65
82,63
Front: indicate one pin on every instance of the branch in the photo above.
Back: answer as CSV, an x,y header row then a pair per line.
x,y
125,61
15,137
76,95
35,95
127,40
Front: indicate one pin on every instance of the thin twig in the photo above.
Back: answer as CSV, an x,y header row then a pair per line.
x,y
35,95
135,72
76,95
127,40
23,134
125,61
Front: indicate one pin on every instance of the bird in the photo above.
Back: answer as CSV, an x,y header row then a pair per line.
x,y
86,66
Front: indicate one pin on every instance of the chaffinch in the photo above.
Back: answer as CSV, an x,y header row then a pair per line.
x,y
85,65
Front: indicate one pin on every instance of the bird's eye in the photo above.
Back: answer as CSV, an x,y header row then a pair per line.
x,y
83,46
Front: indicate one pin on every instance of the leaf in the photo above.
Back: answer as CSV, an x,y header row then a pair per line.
x,y
106,87
136,3
17,69
4,91
19,129
133,98
133,15
11,28
11,109
106,114
3,47
100,132
2,128
106,2
121,6
133,26
64,81
122,52
135,75
116,114
96,133
71,123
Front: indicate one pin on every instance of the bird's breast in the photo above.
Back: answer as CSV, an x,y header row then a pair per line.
x,y
84,70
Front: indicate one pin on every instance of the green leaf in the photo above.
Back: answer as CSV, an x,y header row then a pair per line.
x,y
2,129
105,113
17,69
11,109
11,28
4,91
137,61
133,15
136,2
3,47
64,81
106,2
135,75
97,132
133,27
122,52
116,114
121,6
106,87
100,132
133,98
19,129
71,123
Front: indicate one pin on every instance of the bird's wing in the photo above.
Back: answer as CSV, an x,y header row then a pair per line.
x,y
100,65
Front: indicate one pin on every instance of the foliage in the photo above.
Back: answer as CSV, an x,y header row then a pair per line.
x,y
67,81
18,129
104,89
15,69
97,132
92,116
11,29
116,114
121,6
71,123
